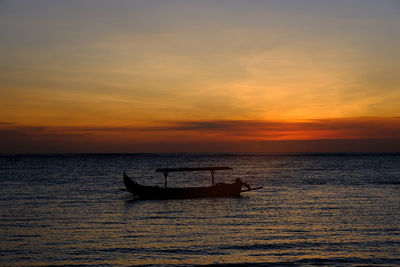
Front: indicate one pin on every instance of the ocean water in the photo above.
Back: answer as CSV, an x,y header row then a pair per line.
x,y
325,209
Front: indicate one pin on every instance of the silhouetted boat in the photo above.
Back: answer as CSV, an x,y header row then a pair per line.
x,y
215,190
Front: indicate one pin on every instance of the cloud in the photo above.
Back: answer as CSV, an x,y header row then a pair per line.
x,y
348,128
4,123
325,135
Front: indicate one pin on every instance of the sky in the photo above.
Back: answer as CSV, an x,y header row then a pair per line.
x,y
199,76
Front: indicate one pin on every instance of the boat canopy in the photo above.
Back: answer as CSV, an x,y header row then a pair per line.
x,y
167,170
210,169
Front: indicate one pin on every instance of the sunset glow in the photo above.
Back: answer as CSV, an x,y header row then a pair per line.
x,y
199,76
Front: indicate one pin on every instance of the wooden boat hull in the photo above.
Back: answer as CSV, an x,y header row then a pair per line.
x,y
155,192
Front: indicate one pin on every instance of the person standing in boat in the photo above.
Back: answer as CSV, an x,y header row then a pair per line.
x,y
239,181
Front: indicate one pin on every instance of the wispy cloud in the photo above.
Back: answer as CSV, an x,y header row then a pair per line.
x,y
353,128
353,134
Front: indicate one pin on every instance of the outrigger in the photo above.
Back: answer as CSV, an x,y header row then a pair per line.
x,y
213,191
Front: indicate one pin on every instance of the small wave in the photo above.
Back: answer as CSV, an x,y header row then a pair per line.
x,y
339,261
277,246
189,251
394,182
284,246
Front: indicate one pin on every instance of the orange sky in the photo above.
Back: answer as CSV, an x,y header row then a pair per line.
x,y
181,76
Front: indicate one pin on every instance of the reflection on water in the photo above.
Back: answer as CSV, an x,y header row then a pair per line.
x,y
313,209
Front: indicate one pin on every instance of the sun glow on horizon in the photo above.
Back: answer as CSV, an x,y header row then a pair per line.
x,y
204,72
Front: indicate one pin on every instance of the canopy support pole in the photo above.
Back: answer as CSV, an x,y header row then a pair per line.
x,y
165,179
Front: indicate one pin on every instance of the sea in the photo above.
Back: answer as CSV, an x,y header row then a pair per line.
x,y
313,210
